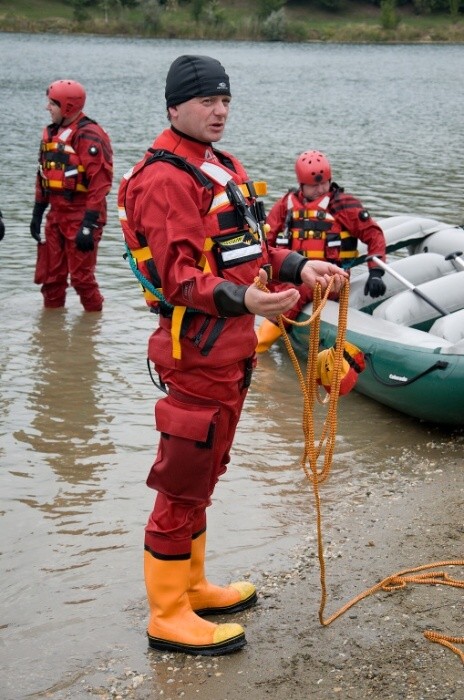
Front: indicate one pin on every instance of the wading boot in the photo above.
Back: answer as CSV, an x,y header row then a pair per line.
x,y
267,334
208,599
173,626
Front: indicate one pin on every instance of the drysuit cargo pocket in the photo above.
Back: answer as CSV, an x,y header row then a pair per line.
x,y
185,459
188,421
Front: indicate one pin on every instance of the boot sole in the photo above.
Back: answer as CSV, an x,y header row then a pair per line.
x,y
228,609
226,647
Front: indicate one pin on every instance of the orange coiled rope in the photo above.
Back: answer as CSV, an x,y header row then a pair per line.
x,y
313,450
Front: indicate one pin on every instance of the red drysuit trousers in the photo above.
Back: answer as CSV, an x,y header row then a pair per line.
x,y
60,259
197,422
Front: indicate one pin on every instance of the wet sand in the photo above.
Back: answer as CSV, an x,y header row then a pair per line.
x,y
376,649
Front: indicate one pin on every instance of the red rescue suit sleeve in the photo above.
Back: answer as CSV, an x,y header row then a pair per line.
x,y
355,219
276,219
93,147
40,196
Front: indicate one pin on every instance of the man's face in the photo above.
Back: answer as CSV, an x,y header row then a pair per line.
x,y
202,118
311,192
55,111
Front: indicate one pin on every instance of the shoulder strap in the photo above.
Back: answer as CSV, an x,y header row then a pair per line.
x,y
225,160
179,162
84,121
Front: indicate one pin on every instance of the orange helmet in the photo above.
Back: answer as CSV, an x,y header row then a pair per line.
x,y
312,167
353,364
69,95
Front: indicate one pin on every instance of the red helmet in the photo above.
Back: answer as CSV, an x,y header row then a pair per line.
x,y
312,167
69,95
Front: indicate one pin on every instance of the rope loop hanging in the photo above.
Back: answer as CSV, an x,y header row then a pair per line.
x,y
313,449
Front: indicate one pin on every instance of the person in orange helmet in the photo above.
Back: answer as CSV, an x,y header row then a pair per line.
x,y
320,221
73,179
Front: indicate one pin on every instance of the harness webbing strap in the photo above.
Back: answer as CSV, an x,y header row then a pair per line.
x,y
141,254
248,189
176,324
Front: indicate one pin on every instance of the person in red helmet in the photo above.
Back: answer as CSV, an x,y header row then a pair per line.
x,y
320,221
73,179
193,226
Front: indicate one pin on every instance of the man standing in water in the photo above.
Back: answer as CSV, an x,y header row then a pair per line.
x,y
74,177
193,222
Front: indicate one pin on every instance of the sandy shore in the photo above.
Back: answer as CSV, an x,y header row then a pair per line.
x,y
376,649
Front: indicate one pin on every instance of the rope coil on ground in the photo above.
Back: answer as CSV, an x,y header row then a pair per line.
x,y
313,450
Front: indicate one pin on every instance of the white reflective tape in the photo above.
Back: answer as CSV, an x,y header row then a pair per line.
x,y
65,134
219,201
216,173
242,252
128,175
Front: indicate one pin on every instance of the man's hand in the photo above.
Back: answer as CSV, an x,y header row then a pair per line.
x,y
375,286
321,272
84,237
36,221
267,304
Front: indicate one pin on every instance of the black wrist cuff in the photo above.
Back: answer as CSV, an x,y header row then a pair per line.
x,y
230,299
290,270
376,272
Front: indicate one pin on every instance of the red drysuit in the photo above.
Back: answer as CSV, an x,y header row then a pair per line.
x,y
74,177
205,257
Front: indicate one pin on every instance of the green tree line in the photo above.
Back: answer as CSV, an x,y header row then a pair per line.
x,y
260,20
265,8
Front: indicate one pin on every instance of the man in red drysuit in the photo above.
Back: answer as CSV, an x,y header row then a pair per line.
x,y
74,177
321,222
194,227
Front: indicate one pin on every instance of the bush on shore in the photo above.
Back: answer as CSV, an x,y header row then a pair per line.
x,y
382,21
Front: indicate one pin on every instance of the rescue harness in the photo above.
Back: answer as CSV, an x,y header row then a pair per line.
x,y
60,169
243,226
315,233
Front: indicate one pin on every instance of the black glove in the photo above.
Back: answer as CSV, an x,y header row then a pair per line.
x,y
375,286
84,237
36,221
2,227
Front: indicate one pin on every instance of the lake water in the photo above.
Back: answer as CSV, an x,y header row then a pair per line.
x,y
77,436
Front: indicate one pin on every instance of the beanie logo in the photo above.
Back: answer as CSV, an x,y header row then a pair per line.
x,y
221,86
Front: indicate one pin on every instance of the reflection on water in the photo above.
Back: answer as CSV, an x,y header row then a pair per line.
x,y
77,436
67,427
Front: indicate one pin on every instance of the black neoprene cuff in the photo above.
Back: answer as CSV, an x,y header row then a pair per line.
x,y
376,272
230,299
290,270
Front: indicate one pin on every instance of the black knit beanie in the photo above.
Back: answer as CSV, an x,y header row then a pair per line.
x,y
195,76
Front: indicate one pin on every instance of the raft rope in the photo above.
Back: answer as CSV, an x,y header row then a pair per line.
x,y
395,383
312,452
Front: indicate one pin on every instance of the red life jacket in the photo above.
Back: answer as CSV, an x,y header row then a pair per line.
x,y
315,233
234,230
60,169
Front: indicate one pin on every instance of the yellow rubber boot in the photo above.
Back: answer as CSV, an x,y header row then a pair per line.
x,y
173,626
208,599
267,334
